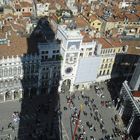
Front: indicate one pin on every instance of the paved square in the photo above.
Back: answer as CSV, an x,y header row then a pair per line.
x,y
96,119
40,117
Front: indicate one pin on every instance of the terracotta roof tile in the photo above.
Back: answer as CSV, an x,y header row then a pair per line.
x,y
25,4
18,46
110,43
86,37
80,21
133,46
27,14
17,6
136,93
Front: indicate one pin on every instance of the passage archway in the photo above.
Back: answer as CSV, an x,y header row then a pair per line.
x,y
16,95
66,85
8,96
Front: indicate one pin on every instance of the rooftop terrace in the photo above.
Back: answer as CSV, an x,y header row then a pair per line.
x,y
70,33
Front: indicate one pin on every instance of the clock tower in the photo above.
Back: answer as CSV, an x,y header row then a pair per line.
x,y
70,50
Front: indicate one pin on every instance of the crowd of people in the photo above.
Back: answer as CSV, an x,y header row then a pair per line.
x,y
92,111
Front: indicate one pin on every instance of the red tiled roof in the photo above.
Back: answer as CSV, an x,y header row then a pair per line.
x,y
80,21
17,6
136,93
86,37
110,43
27,14
18,45
25,4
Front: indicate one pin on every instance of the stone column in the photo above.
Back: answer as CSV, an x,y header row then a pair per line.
x,y
131,123
118,102
121,110
71,86
4,97
29,89
12,92
21,92
59,87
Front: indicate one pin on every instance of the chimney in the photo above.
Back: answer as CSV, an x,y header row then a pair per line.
x,y
8,42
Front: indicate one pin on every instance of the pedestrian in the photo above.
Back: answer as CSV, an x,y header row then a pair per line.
x,y
9,125
2,128
9,136
78,97
13,128
91,114
84,132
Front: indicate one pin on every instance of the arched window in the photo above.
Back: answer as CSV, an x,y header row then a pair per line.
x,y
10,71
19,70
5,72
1,72
15,71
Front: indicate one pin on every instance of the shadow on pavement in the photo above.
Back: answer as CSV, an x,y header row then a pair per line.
x,y
122,70
39,116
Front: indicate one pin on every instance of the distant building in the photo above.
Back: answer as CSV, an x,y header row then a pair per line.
x,y
129,104
42,9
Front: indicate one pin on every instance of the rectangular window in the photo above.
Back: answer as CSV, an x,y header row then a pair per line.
x,y
42,57
46,57
109,65
105,65
81,54
104,72
102,66
108,72
53,56
90,53
100,73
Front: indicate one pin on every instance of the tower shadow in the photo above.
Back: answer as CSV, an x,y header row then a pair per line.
x,y
123,68
40,118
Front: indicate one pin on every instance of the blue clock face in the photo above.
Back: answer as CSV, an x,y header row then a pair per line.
x,y
68,70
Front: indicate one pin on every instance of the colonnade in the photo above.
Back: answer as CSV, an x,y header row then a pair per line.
x,y
10,95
